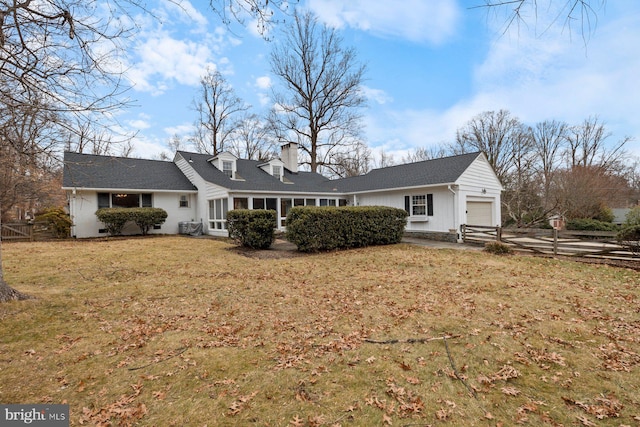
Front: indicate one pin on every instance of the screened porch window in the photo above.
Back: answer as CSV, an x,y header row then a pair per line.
x,y
218,209
265,203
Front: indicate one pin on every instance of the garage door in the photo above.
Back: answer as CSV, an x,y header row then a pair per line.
x,y
479,213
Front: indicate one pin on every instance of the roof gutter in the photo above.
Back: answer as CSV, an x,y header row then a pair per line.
x,y
127,190
382,190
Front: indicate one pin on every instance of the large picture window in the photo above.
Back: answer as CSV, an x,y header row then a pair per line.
x,y
125,200
218,209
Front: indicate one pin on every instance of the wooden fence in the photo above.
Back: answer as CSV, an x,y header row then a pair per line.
x,y
598,244
25,231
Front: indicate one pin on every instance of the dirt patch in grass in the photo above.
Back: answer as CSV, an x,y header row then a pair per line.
x,y
188,332
279,249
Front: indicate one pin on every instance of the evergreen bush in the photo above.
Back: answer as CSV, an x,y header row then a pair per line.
x,y
632,218
590,224
252,228
58,220
498,248
629,236
314,229
146,218
114,219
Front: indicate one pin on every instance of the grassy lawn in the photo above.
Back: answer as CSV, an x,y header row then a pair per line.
x,y
175,331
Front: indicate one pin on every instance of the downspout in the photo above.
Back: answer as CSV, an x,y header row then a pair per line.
x,y
72,211
455,212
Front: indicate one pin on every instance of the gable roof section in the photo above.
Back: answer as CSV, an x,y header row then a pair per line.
x,y
428,172
106,172
250,177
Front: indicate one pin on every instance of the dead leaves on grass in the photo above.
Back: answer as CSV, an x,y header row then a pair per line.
x,y
601,407
125,410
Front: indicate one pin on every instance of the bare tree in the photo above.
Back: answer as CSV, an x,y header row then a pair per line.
x,y
423,153
548,138
497,134
587,145
521,200
320,101
384,160
217,106
57,56
352,162
583,13
262,13
251,139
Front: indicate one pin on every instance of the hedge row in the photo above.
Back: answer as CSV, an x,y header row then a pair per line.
x,y
590,224
314,229
114,219
252,228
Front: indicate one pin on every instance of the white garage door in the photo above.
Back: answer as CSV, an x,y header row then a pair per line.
x,y
479,213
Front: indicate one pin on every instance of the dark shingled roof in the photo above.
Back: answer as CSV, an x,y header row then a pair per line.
x,y
92,171
429,172
253,178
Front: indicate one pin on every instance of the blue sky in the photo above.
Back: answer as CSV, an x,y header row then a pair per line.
x,y
431,66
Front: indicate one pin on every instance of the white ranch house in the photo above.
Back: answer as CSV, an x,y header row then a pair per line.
x,y
440,195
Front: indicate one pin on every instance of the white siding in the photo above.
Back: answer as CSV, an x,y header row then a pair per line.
x,y
479,175
443,207
478,183
84,204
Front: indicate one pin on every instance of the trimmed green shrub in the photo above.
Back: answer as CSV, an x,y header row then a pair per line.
x,y
589,224
632,218
629,237
115,219
314,229
146,218
252,228
498,248
58,220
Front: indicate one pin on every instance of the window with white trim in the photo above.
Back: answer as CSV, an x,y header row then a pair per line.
x,y
276,171
227,168
218,209
419,204
184,201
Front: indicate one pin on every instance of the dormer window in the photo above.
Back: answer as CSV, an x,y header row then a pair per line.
x,y
226,163
227,168
276,171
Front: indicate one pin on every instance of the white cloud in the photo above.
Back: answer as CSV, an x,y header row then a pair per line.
x,y
551,77
139,124
176,46
537,78
263,82
378,96
162,60
182,130
414,20
185,12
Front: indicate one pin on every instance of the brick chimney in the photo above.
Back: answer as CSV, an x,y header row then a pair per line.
x,y
289,156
